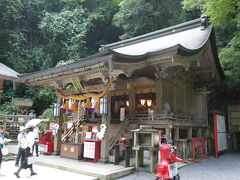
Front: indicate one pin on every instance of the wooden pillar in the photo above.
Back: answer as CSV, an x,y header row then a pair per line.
x,y
190,133
132,99
175,96
176,133
184,97
153,160
168,130
139,153
104,156
235,141
159,95
57,138
199,132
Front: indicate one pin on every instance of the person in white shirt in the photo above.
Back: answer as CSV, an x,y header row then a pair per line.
x,y
22,138
27,153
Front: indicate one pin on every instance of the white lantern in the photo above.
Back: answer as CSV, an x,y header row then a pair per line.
x,y
103,105
56,110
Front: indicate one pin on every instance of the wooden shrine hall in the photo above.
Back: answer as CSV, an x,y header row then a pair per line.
x,y
158,79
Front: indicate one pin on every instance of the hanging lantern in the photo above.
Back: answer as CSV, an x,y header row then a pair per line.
x,y
93,101
65,106
70,102
56,110
88,104
149,102
97,104
74,106
127,103
103,105
142,101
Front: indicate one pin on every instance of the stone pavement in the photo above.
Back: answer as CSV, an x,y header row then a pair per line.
x,y
43,173
101,170
227,167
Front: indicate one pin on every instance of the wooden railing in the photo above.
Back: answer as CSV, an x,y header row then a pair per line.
x,y
170,118
121,128
11,123
15,118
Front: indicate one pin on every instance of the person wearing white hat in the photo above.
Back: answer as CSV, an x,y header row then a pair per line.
x,y
28,151
22,144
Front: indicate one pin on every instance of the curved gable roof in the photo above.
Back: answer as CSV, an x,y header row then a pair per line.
x,y
189,36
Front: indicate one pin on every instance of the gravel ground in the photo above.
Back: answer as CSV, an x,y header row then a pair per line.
x,y
227,167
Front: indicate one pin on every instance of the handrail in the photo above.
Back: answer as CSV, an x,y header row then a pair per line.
x,y
72,129
121,128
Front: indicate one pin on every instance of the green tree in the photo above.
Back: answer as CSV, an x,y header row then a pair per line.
x,y
101,29
65,32
138,17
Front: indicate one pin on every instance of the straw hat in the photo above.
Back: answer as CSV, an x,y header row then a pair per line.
x,y
21,128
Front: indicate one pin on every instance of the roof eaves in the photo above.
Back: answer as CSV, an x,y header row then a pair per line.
x,y
159,33
80,63
215,55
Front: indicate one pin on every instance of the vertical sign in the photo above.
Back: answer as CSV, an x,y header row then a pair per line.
x,y
122,114
89,150
220,134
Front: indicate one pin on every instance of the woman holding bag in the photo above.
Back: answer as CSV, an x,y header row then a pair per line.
x,y
27,153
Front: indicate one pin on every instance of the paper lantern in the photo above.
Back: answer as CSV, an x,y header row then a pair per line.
x,y
97,105
142,101
88,104
149,102
65,106
74,106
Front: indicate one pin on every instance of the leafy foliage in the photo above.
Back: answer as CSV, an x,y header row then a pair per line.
x,y
9,108
65,32
138,17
